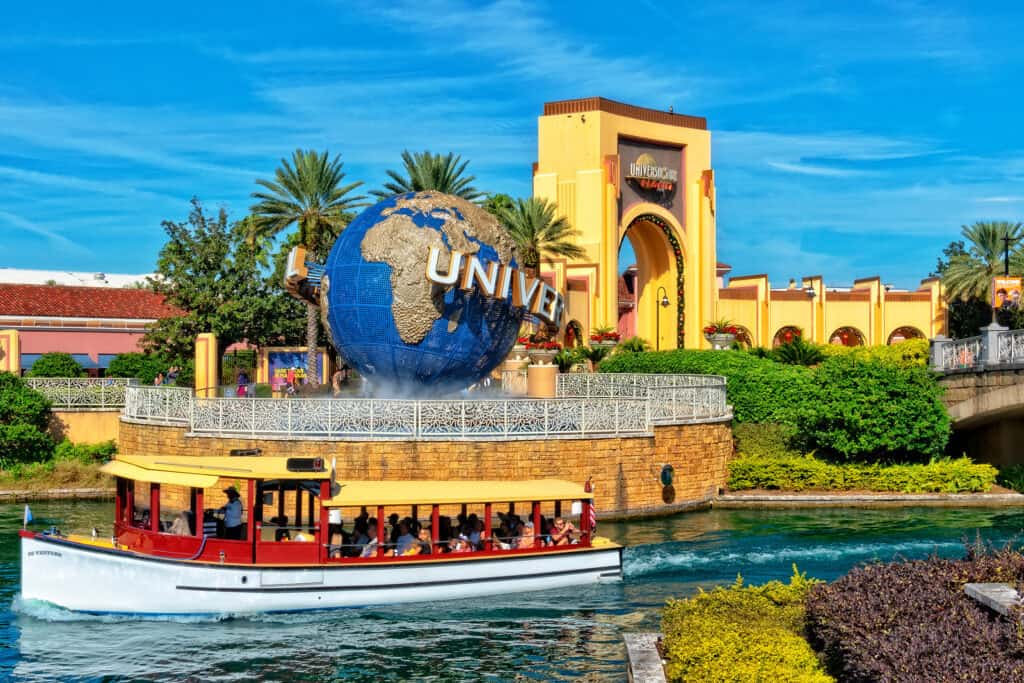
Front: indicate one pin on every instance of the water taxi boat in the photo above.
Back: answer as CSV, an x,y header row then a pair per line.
x,y
307,541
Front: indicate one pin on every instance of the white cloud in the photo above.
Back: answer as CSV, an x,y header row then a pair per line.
x,y
823,171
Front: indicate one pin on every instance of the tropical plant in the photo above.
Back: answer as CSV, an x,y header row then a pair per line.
x,y
633,345
797,352
496,203
428,171
539,233
604,334
309,192
722,326
969,271
55,364
565,359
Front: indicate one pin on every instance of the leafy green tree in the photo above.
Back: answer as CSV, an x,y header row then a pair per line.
x,y
308,192
539,233
141,366
967,272
56,365
496,203
24,418
218,276
428,171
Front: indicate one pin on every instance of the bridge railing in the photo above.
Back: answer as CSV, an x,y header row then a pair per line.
x,y
996,346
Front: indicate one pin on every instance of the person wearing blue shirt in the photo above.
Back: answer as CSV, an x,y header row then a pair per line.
x,y
232,514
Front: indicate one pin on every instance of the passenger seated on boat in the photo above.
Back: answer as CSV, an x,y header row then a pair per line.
x,y
475,533
503,536
563,533
405,539
444,528
526,536
370,549
547,527
182,525
426,543
210,524
459,545
303,536
232,514
142,522
360,537
281,534
394,533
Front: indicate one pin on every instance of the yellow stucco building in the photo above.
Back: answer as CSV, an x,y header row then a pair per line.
x,y
616,170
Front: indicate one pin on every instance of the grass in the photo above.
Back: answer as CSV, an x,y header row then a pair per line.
x,y
72,466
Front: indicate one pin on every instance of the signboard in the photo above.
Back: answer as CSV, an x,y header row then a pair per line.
x,y
1006,291
285,366
650,173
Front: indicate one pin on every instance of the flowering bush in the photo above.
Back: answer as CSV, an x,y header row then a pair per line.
x,y
604,334
721,327
544,345
523,341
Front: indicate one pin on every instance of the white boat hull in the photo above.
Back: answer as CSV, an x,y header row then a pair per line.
x,y
92,579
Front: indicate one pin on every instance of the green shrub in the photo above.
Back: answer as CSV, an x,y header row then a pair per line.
x,y
760,390
797,352
21,405
85,453
142,366
805,472
1012,477
23,443
872,410
56,365
910,353
742,633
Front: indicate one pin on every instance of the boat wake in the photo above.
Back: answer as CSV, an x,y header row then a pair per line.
x,y
47,611
680,557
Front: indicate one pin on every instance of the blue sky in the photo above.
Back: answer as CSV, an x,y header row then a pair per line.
x,y
849,141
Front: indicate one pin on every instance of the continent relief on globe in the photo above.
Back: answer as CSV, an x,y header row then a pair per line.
x,y
417,303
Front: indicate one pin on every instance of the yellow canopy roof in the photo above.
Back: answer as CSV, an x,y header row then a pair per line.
x,y
242,467
371,493
119,468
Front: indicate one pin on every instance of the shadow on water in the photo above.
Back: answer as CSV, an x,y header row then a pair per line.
x,y
569,634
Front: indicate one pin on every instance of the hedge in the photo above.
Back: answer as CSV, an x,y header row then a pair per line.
x,y
55,365
741,633
910,353
24,418
759,389
911,621
765,460
859,409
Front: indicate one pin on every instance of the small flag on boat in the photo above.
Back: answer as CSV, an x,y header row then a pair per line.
x,y
591,516
28,516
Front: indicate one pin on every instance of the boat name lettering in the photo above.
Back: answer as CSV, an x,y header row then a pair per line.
x,y
52,553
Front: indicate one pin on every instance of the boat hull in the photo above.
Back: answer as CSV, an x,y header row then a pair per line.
x,y
85,578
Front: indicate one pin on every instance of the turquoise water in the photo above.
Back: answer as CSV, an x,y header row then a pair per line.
x,y
573,634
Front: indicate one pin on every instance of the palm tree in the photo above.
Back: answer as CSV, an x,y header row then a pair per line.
x,y
538,233
428,171
309,192
969,273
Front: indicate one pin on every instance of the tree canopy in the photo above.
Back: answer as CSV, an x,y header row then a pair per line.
x,y
428,171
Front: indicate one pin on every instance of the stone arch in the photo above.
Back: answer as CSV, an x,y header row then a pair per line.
x,y
660,263
786,334
904,333
847,336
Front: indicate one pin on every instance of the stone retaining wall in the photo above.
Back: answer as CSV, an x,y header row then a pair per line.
x,y
966,385
625,470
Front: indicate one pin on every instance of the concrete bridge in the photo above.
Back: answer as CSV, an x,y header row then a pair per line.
x,y
984,381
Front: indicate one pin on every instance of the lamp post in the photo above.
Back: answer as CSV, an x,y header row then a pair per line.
x,y
662,296
809,291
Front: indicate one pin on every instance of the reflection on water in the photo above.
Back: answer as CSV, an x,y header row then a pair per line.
x,y
570,634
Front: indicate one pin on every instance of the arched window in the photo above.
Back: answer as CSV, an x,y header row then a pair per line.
x,y
787,334
904,333
846,336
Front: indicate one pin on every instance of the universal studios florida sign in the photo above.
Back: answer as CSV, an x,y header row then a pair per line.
x,y
497,281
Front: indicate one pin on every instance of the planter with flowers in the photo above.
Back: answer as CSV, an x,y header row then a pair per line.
x,y
604,337
519,350
721,334
542,352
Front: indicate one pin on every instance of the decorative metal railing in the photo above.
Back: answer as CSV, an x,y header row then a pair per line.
x,y
159,404
82,392
680,398
1010,346
616,384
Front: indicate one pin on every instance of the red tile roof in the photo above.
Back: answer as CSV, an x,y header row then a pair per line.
x,y
57,301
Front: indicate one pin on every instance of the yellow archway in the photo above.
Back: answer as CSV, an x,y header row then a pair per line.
x,y
660,258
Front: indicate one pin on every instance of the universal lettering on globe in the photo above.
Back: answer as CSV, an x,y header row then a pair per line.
x,y
495,280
